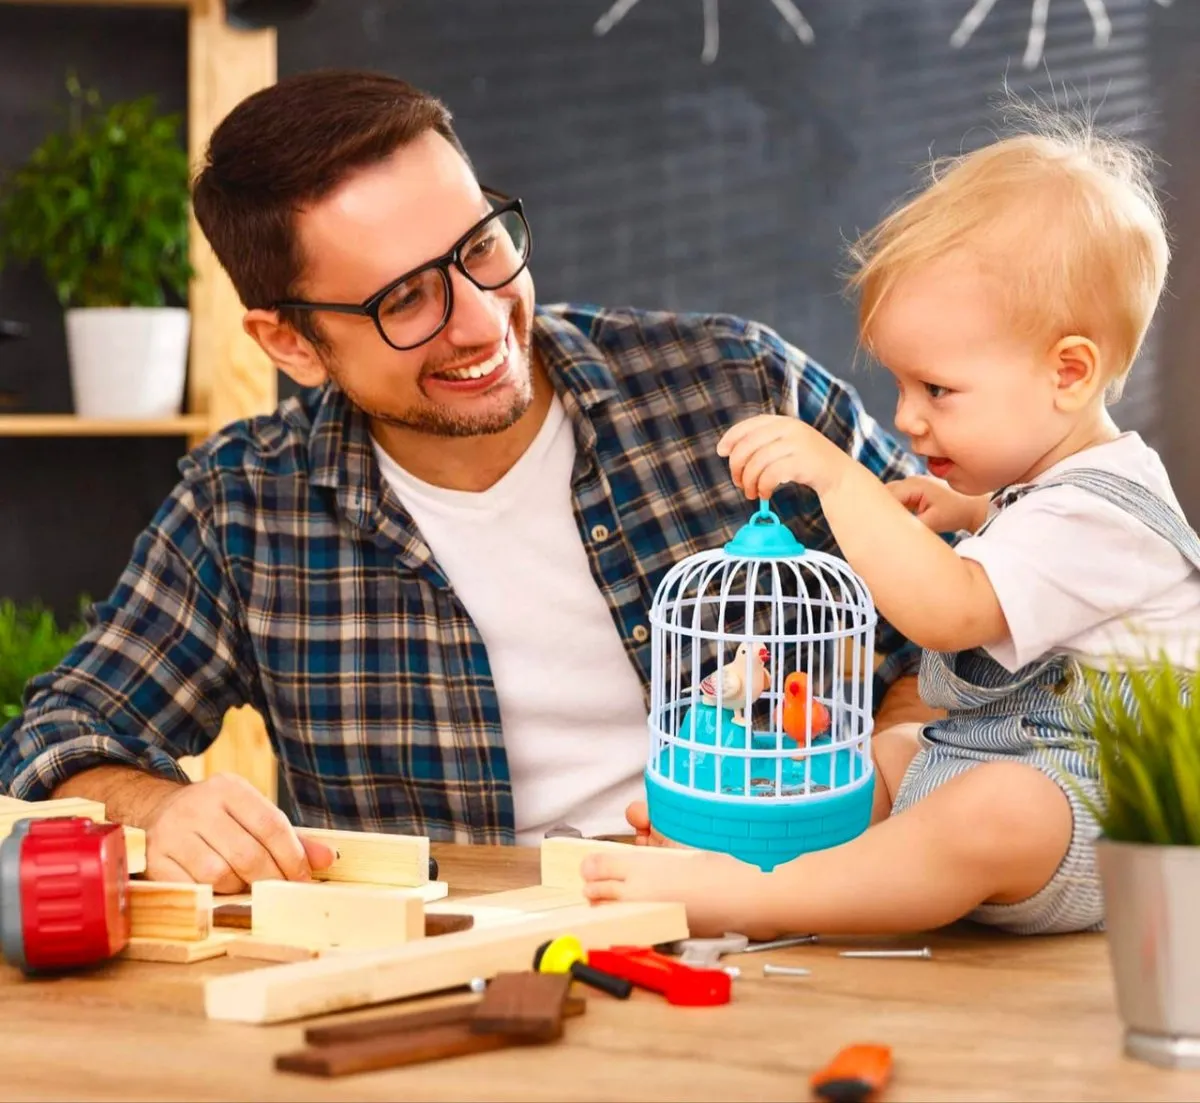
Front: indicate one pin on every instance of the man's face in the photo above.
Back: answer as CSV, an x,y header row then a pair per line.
x,y
475,376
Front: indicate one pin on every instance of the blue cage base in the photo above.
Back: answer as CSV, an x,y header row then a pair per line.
x,y
764,831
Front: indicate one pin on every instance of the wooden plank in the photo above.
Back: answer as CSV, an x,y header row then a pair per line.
x,y
523,1004
264,949
48,809
178,951
237,916
165,909
135,849
362,1029
436,925
69,425
368,857
389,1051
369,977
343,916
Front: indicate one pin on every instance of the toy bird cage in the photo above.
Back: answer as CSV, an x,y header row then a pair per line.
x,y
762,668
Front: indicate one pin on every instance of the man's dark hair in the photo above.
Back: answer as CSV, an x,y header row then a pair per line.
x,y
286,146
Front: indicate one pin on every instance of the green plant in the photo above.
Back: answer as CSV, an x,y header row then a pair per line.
x,y
102,205
31,643
1148,753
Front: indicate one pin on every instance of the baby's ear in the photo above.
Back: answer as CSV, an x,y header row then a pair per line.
x,y
1077,371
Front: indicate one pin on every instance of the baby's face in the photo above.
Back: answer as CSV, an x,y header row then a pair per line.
x,y
975,397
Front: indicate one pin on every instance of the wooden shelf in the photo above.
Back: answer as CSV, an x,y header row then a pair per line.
x,y
98,3
68,425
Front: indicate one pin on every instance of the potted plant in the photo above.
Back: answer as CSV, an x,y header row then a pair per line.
x,y
31,643
1148,741
101,207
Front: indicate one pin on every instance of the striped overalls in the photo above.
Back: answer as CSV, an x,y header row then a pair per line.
x,y
1031,716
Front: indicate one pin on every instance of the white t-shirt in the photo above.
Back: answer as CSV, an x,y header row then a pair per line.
x,y
571,701
1076,573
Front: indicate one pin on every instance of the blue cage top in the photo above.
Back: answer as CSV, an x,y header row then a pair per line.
x,y
764,536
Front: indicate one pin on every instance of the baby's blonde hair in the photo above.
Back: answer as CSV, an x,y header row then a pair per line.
x,y
1067,219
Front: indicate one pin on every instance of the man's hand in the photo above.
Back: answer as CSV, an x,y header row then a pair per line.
x,y
225,833
939,507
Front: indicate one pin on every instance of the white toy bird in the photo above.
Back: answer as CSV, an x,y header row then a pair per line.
x,y
736,694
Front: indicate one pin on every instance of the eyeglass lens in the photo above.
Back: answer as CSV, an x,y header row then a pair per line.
x,y
492,256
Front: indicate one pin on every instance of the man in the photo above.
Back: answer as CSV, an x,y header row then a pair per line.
x,y
431,573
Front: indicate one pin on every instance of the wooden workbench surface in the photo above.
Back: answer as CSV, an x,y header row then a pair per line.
x,y
988,1018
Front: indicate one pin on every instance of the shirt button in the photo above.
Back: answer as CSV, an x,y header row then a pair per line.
x,y
599,532
640,633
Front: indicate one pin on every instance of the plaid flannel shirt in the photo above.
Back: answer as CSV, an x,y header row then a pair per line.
x,y
282,573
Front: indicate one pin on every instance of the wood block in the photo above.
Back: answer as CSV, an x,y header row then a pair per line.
x,y
389,1051
344,916
367,977
446,924
562,856
373,857
527,1005
135,849
431,890
260,949
532,898
164,909
462,1012
44,809
177,951
232,915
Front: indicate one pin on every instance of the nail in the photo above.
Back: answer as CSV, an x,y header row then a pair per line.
x,y
925,951
478,984
770,970
732,970
781,943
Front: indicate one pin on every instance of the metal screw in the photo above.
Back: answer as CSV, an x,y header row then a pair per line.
x,y
770,970
781,943
732,970
478,985
925,951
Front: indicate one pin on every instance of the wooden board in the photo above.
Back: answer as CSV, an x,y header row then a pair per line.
x,y
263,949
175,951
14,810
524,1004
135,849
341,916
376,858
163,909
369,977
561,857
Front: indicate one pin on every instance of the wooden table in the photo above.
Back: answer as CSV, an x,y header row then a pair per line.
x,y
988,1018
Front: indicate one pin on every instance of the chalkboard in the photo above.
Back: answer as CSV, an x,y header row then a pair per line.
x,y
651,177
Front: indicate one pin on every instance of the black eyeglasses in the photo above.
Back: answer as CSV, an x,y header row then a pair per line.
x,y
415,307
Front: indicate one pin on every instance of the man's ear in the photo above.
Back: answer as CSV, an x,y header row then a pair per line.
x,y
1075,362
291,353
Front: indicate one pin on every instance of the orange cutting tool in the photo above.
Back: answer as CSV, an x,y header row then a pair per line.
x,y
857,1072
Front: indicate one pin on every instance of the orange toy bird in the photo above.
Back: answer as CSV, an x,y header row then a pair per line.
x,y
794,710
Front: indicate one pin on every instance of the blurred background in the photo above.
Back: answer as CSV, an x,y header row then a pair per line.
x,y
676,160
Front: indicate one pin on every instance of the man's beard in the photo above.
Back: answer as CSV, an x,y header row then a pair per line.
x,y
438,421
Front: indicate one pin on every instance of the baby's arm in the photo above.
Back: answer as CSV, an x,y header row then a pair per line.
x,y
934,597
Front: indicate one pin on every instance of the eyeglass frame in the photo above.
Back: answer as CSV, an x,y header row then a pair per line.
x,y
369,307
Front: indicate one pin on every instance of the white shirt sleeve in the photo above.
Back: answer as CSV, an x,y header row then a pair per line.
x,y
1063,562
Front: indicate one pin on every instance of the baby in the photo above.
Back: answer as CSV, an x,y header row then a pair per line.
x,y
1009,300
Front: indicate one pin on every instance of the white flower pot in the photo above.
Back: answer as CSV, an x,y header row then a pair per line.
x,y
1152,919
128,362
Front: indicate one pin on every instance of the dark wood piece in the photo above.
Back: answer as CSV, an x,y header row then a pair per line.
x,y
447,924
389,1051
232,915
363,1029
528,1005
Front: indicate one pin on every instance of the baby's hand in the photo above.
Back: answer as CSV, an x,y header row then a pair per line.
x,y
771,449
718,892
941,508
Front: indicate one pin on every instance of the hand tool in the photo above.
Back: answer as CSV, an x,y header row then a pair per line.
x,y
857,1072
565,954
681,984
64,900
